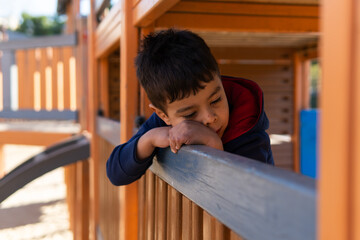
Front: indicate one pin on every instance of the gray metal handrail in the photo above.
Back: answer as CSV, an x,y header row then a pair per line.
x,y
255,200
69,151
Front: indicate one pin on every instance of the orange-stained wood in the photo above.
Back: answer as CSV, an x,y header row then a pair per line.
x,y
32,138
29,79
241,8
161,209
150,205
54,77
186,218
43,65
92,106
104,86
197,222
355,231
128,107
107,34
208,22
145,110
298,77
67,53
339,113
21,63
146,12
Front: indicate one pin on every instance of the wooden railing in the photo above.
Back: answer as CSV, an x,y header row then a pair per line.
x,y
38,78
202,193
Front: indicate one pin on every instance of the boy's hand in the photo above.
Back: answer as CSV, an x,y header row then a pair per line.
x,y
191,132
156,137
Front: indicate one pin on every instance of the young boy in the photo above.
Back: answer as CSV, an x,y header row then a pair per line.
x,y
192,104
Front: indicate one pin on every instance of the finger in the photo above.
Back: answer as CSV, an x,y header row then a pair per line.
x,y
173,146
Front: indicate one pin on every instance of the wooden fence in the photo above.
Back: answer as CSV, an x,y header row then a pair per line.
x,y
38,78
202,193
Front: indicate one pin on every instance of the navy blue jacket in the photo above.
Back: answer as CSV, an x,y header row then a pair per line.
x,y
245,134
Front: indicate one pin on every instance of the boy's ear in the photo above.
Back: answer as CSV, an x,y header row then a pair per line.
x,y
161,114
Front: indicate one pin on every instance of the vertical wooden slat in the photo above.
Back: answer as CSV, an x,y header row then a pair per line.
x,y
142,207
29,79
175,223
104,86
208,226
150,205
186,219
54,75
43,65
234,236
298,77
67,53
197,222
161,210
21,63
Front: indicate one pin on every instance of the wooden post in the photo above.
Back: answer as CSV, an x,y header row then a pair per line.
x,y
128,109
92,100
339,182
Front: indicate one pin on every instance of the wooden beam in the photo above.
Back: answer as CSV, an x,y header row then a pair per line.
x,y
147,11
108,32
40,42
242,193
32,138
226,8
233,23
128,228
338,213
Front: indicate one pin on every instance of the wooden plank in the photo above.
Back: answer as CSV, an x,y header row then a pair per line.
x,y
109,31
241,8
251,53
295,2
208,226
237,23
197,222
40,42
128,106
195,168
54,77
67,54
21,63
186,224
175,214
161,209
142,208
32,138
104,86
43,65
108,129
29,80
147,11
150,205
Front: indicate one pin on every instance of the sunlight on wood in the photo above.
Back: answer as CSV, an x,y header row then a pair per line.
x,y
48,87
37,92
72,64
60,78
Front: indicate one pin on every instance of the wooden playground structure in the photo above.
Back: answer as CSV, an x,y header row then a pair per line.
x,y
85,81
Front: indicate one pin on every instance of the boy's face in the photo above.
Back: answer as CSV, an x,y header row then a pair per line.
x,y
208,106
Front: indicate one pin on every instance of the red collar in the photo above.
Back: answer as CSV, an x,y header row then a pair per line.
x,y
245,106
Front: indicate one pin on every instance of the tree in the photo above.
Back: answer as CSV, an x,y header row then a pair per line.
x,y
41,25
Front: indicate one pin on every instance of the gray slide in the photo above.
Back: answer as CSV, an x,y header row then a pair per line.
x,y
70,151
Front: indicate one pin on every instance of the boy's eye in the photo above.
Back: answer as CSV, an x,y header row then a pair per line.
x,y
216,100
191,115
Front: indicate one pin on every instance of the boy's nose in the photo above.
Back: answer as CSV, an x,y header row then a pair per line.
x,y
210,117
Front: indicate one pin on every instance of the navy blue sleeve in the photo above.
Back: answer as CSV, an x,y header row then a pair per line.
x,y
254,145
123,167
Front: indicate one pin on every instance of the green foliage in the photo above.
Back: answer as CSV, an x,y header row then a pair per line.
x,y
41,25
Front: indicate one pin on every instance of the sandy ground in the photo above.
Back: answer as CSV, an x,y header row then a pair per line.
x,y
39,210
